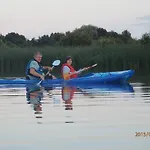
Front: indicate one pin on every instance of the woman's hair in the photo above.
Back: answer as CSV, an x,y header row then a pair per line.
x,y
67,58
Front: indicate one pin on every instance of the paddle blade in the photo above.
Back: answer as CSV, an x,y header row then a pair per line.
x,y
94,65
56,63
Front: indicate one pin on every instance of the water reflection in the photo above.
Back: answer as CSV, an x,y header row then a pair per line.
x,y
93,95
67,96
116,88
68,92
96,114
34,95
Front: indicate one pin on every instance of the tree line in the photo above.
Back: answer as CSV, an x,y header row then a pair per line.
x,y
87,45
86,35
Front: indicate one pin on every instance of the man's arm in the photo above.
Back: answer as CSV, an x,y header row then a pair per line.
x,y
47,67
33,67
33,72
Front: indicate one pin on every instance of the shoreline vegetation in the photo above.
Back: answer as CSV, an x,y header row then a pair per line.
x,y
87,45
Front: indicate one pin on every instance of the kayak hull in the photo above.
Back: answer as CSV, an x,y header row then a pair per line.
x,y
104,78
92,78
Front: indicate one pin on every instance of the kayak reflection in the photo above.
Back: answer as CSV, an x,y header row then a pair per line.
x,y
34,96
67,95
108,88
68,92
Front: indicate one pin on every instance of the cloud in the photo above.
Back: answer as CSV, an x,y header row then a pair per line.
x,y
144,18
143,21
143,24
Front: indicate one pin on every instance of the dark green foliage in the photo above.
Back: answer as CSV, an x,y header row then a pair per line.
x,y
145,39
110,58
87,45
83,36
16,39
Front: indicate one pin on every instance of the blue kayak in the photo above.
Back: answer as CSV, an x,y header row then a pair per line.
x,y
91,78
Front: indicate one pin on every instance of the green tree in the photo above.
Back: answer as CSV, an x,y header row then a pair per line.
x,y
112,34
90,30
126,33
125,36
57,36
16,39
45,40
81,38
101,32
145,38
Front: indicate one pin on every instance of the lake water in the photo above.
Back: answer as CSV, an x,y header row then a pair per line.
x,y
111,117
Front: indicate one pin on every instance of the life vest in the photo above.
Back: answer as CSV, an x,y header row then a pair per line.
x,y
40,69
71,70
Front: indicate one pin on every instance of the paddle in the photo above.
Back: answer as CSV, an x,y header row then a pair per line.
x,y
91,66
54,64
87,68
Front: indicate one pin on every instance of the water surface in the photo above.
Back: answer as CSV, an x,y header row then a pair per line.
x,y
71,118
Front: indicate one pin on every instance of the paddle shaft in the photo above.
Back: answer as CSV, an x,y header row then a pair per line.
x,y
91,66
55,63
45,75
49,71
84,69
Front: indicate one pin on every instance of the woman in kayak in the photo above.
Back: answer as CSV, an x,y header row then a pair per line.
x,y
35,70
67,70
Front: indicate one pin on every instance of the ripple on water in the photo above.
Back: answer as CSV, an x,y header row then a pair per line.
x,y
89,118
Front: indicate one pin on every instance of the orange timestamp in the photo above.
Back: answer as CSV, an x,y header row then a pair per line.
x,y
142,134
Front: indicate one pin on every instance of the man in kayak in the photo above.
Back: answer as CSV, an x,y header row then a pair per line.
x,y
67,70
35,70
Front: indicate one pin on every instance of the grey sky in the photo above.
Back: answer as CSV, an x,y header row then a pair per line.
x,y
34,18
